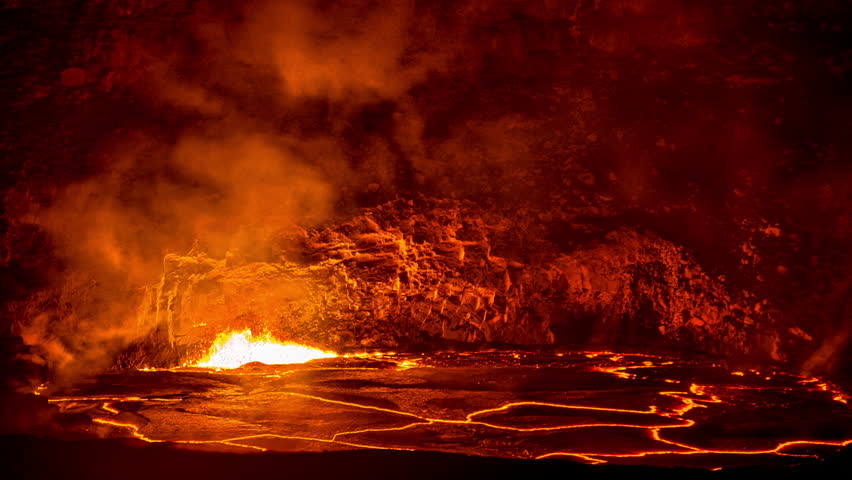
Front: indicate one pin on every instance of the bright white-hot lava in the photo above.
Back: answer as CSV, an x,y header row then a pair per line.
x,y
234,349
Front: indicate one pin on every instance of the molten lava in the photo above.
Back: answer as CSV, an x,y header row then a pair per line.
x,y
610,408
234,349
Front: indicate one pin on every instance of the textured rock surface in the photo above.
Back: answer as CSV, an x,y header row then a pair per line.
x,y
425,270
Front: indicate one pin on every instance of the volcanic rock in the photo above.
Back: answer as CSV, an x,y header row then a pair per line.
x,y
428,270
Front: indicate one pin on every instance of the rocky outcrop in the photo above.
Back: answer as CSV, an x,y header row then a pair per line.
x,y
421,270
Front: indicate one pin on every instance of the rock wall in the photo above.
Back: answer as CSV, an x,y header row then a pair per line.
x,y
425,271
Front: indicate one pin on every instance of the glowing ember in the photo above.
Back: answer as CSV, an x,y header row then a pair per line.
x,y
234,349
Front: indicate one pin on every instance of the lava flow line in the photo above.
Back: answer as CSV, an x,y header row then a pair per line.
x,y
697,396
420,420
469,418
599,457
589,456
134,432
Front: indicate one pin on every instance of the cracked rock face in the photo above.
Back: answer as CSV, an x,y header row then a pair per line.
x,y
424,270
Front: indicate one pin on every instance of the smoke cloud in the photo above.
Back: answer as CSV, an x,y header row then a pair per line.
x,y
278,98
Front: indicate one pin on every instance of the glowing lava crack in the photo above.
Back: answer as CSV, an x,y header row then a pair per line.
x,y
322,408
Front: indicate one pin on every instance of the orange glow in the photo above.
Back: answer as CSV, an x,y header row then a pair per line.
x,y
656,419
419,420
235,349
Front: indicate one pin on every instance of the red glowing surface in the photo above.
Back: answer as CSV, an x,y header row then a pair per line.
x,y
591,407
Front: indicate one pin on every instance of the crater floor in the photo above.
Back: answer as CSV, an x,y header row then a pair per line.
x,y
593,407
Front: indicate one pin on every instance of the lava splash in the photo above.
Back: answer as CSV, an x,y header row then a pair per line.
x,y
235,349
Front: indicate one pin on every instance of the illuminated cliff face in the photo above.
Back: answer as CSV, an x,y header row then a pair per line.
x,y
427,271
364,174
